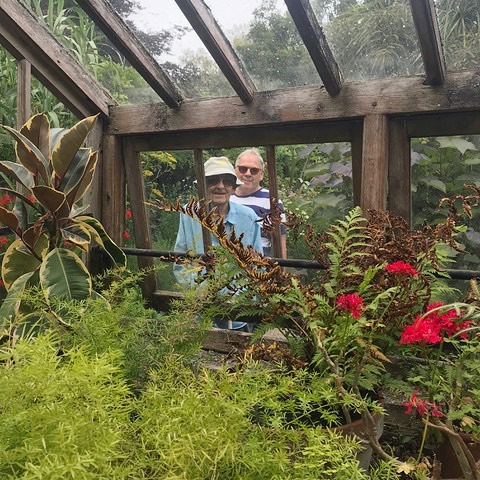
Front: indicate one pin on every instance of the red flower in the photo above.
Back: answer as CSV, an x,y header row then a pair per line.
x,y
433,327
401,267
126,234
33,199
423,407
3,241
5,199
352,303
1,283
128,214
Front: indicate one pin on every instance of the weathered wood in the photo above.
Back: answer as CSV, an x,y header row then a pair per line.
x,y
141,221
113,188
24,85
314,39
23,36
245,137
93,198
426,24
463,123
132,49
399,170
374,163
207,28
356,142
273,189
392,96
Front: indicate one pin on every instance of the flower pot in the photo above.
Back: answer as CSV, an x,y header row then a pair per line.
x,y
359,429
445,453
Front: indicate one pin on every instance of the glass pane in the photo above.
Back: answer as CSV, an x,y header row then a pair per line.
x,y
267,41
460,31
371,39
441,167
8,91
168,36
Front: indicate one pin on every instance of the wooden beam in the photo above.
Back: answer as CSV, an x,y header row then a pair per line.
x,y
113,188
433,125
207,28
426,24
316,43
141,221
202,192
399,170
374,163
137,55
356,142
273,189
387,96
24,86
246,137
23,36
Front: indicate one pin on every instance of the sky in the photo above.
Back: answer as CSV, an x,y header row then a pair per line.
x,y
161,14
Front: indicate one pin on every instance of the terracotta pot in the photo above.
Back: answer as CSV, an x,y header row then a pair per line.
x,y
450,468
358,428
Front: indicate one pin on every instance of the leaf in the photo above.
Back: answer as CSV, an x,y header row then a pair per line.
x,y
63,275
29,155
18,172
405,467
37,130
18,260
9,219
102,238
78,235
78,190
11,304
66,149
457,143
50,198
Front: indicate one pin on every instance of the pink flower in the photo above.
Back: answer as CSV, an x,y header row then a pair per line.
x,y
401,268
352,303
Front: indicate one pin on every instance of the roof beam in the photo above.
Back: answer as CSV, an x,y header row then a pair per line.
x,y
137,55
23,36
207,28
316,43
386,96
426,24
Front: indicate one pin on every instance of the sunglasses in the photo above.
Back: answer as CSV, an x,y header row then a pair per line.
x,y
253,170
228,180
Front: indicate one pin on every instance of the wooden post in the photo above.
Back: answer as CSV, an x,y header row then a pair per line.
x,y
356,142
273,188
374,163
399,170
141,223
24,85
202,191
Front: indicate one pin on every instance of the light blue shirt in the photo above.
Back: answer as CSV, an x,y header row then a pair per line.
x,y
190,237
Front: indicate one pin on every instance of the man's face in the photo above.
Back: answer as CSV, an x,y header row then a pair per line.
x,y
244,167
220,188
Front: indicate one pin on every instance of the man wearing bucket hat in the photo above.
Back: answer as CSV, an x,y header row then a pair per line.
x,y
221,181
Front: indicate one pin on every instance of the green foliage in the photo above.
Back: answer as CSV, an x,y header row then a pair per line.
x,y
52,174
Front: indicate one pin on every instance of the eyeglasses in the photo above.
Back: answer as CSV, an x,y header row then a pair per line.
x,y
228,180
253,170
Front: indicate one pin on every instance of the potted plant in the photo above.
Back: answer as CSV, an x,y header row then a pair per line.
x,y
378,277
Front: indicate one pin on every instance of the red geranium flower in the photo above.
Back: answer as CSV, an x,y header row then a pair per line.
x,y
126,234
128,214
3,241
5,199
352,303
401,267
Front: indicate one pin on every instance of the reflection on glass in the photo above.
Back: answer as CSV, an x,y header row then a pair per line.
x,y
371,39
441,166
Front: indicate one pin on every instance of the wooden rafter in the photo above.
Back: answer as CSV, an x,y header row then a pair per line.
x,y
426,24
316,43
387,96
207,28
137,55
23,36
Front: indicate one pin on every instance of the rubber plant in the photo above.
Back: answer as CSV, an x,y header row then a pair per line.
x,y
52,173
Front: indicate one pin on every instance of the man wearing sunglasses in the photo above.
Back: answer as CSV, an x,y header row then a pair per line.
x,y
249,169
221,181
